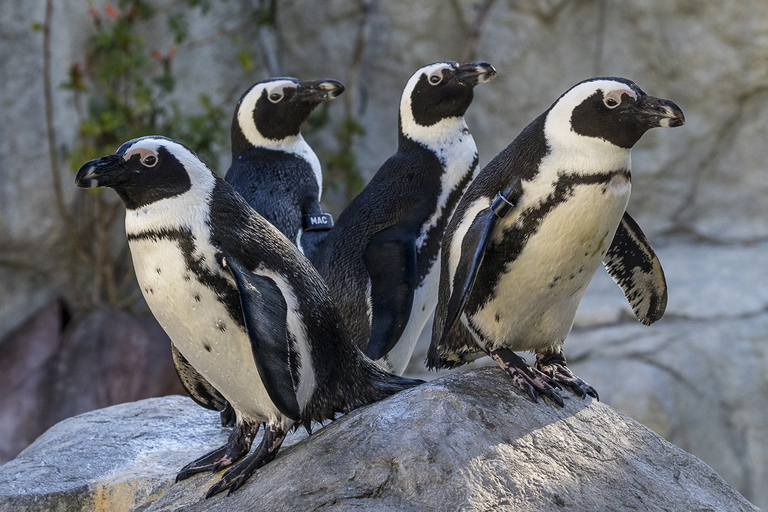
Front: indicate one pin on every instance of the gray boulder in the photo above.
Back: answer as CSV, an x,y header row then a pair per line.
x,y
463,442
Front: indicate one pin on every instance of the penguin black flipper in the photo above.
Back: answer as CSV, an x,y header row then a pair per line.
x,y
265,313
472,253
473,247
634,266
390,259
200,390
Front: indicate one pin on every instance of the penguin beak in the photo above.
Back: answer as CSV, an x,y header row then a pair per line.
x,y
318,91
100,172
474,73
659,112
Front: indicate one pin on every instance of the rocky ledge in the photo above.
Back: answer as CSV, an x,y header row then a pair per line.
x,y
467,441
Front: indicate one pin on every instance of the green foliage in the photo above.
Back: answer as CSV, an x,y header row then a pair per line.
x,y
122,90
128,85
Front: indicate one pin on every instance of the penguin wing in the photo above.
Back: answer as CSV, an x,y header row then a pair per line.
x,y
390,259
634,266
199,389
472,253
266,315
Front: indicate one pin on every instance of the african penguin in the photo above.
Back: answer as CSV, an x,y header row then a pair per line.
x,y
533,227
381,260
273,167
242,305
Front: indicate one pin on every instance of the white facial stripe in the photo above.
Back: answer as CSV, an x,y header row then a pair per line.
x,y
142,152
168,212
558,129
410,128
295,145
248,105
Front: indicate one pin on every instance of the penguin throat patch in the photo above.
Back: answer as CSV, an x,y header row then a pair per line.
x,y
318,222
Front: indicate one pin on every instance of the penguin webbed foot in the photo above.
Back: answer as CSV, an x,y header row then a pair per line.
x,y
554,366
239,444
533,382
238,474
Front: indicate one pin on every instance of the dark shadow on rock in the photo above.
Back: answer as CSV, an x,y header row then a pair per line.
x,y
55,366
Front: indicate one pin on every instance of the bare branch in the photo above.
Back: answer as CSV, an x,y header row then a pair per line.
x,y
474,35
69,229
267,38
361,42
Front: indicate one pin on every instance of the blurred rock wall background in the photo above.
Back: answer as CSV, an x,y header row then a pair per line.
x,y
698,376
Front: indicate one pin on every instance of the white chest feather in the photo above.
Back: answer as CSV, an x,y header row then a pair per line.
x,y
189,311
535,300
456,150
200,326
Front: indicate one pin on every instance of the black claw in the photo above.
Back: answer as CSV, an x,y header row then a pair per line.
x,y
215,489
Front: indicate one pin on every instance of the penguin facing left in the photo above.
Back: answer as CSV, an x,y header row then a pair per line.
x,y
381,260
273,167
533,227
244,307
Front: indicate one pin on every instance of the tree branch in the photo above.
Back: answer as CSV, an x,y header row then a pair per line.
x,y
474,35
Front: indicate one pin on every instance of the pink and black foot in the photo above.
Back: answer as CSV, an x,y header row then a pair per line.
x,y
533,382
554,366
237,446
265,452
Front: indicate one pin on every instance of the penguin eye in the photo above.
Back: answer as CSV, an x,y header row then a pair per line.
x,y
149,161
435,78
275,97
611,102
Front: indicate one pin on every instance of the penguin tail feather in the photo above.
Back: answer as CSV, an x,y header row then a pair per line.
x,y
378,384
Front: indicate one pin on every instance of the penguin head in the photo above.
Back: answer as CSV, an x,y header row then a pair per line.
x,y
611,110
439,91
275,109
146,170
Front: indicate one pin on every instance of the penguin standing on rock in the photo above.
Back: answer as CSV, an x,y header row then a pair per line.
x,y
244,307
533,227
273,167
381,260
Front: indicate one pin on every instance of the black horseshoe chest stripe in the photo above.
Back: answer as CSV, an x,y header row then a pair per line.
x,y
516,237
226,292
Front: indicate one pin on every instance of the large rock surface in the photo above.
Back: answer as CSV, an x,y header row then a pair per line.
x,y
464,442
699,376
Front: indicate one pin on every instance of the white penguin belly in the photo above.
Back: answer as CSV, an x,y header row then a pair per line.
x,y
537,296
200,327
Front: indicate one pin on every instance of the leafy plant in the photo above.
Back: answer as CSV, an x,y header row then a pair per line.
x,y
122,89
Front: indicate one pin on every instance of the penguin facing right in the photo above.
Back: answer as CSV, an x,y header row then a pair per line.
x,y
531,230
248,312
381,260
273,167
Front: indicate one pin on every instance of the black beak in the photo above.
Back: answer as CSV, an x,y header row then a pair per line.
x,y
474,73
100,172
659,112
320,90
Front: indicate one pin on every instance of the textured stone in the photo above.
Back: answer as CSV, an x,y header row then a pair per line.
x,y
464,442
699,376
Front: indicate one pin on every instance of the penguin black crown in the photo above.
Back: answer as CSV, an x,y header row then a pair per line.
x,y
273,167
533,227
381,259
246,310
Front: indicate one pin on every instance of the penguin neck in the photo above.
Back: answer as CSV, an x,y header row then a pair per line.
x,y
292,144
173,213
447,131
580,153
